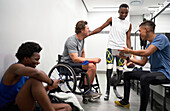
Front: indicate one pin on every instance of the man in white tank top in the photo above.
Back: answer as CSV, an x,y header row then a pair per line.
x,y
119,37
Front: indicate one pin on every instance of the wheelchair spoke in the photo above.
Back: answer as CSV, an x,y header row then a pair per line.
x,y
66,76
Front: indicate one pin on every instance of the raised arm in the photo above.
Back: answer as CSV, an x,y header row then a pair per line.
x,y
99,29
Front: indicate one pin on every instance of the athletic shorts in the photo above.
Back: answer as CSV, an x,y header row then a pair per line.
x,y
76,65
110,58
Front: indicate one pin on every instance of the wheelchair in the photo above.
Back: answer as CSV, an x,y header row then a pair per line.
x,y
72,79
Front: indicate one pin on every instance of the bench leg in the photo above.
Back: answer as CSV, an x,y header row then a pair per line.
x,y
164,104
151,99
138,89
164,101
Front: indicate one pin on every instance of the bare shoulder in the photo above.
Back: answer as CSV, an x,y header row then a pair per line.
x,y
16,66
10,76
21,69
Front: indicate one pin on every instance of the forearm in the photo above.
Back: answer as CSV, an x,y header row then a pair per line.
x,y
128,43
147,52
141,62
129,63
42,76
81,59
95,31
138,52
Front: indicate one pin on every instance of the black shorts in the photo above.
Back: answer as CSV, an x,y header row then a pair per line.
x,y
76,65
11,106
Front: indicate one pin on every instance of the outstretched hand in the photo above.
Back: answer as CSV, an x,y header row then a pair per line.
x,y
124,50
96,60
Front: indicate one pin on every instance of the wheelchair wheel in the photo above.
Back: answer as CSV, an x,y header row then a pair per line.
x,y
66,75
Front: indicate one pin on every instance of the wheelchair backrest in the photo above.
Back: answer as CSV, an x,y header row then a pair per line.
x,y
60,58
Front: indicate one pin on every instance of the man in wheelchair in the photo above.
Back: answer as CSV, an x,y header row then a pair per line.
x,y
74,55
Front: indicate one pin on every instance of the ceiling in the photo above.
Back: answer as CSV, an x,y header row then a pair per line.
x,y
112,5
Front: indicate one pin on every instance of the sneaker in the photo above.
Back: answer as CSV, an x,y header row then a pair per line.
x,y
95,95
88,97
106,98
122,103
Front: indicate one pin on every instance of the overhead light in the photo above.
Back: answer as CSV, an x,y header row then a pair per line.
x,y
136,2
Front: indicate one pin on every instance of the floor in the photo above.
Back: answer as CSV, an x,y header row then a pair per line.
x,y
102,105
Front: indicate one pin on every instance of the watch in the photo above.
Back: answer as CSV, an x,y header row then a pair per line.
x,y
51,83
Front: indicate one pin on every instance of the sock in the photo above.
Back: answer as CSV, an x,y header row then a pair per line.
x,y
86,88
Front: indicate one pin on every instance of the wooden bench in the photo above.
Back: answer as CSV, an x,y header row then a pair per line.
x,y
161,90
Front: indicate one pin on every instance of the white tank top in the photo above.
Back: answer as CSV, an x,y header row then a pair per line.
x,y
117,35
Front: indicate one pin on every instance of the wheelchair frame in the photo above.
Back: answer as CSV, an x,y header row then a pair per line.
x,y
72,79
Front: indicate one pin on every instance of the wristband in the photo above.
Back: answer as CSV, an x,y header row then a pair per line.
x,y
127,58
51,83
87,62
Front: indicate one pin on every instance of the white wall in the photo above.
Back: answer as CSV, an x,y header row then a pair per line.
x,y
162,23
48,22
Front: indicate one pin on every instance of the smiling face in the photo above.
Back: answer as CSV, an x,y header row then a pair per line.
x,y
86,30
32,61
123,12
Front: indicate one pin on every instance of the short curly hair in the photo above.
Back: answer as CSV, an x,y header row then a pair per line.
x,y
80,26
27,49
124,6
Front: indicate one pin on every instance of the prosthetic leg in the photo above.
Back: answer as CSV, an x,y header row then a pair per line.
x,y
108,76
116,79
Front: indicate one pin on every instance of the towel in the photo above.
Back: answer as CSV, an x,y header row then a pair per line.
x,y
68,97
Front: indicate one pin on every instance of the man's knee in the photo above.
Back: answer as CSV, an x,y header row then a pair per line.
x,y
34,82
144,80
92,67
126,75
